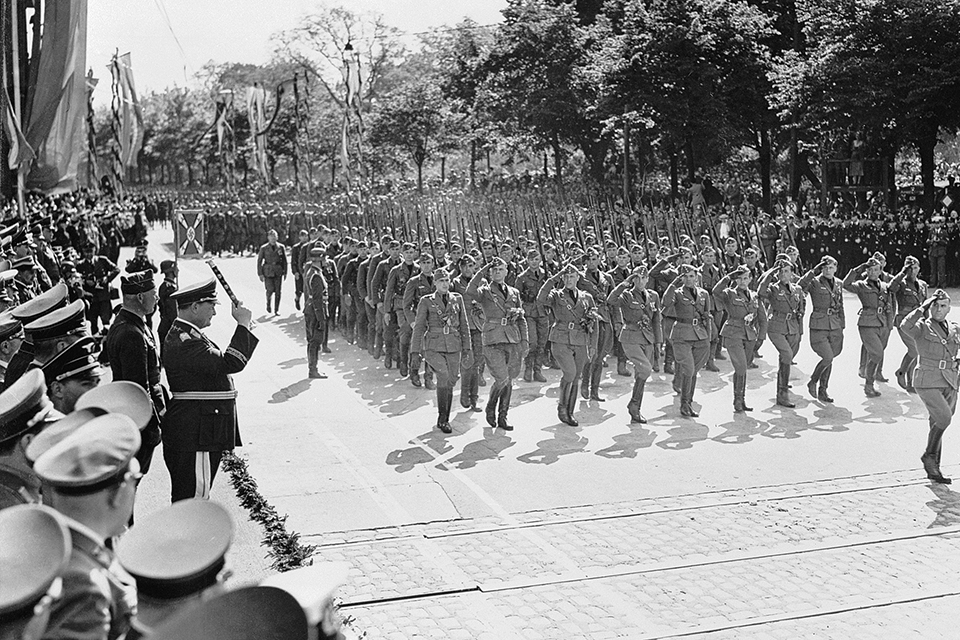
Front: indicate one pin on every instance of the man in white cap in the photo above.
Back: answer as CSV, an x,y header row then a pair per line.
x,y
24,411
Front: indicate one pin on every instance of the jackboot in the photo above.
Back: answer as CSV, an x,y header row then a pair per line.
x,y
690,388
815,378
537,374
585,381
428,378
870,391
572,404
622,369
464,395
528,370
492,405
685,409
822,394
312,357
562,414
505,396
783,379
403,364
596,372
718,350
931,457
415,371
444,398
633,407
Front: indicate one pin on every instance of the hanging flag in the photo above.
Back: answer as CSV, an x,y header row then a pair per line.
x,y
256,99
189,233
131,125
21,153
88,164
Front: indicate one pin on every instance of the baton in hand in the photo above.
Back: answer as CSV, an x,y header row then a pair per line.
x,y
226,287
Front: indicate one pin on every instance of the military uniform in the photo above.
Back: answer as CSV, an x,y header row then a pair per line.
x,y
739,332
785,310
469,384
874,321
640,335
271,268
690,335
908,295
396,338
827,322
97,274
168,309
415,289
528,284
315,312
598,285
386,331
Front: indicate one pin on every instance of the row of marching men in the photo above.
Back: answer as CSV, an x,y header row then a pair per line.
x,y
71,568
700,311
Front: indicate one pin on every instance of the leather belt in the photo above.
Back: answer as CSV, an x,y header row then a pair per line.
x,y
693,321
205,395
948,365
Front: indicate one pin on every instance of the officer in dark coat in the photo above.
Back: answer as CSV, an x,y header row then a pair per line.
x,y
201,419
166,304
132,354
272,268
97,273
315,306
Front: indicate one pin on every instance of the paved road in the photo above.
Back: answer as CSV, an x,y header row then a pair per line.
x,y
806,522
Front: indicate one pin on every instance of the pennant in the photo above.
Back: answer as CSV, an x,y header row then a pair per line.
x,y
190,233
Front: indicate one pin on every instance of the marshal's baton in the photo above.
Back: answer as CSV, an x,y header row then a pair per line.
x,y
226,287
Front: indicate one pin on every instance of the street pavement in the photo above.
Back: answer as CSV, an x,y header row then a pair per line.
x,y
814,522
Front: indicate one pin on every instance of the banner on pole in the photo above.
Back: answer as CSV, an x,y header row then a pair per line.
x,y
189,232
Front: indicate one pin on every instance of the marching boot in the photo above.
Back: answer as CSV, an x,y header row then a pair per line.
x,y
415,371
622,369
931,457
737,395
878,374
537,374
505,396
822,394
783,378
403,364
870,391
492,405
718,351
312,357
685,409
814,379
596,372
572,404
444,397
481,381
668,359
296,302
428,378
528,369
268,303
711,365
633,407
464,395
691,386
562,414
585,381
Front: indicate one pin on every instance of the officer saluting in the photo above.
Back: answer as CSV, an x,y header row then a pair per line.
x,y
201,420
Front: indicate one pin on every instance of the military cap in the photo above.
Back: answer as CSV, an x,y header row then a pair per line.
x,y
455,246
426,257
55,432
137,282
879,257
22,405
248,613
873,262
408,246
441,274
317,252
9,231
937,218
640,270
167,266
19,236
498,262
940,294
9,326
781,256
7,275
393,244
59,323
179,550
203,291
467,259
34,550
94,457
686,269
313,586
750,251
25,263
53,298
829,259
143,244
742,270
79,360
67,266
123,397
911,260
569,269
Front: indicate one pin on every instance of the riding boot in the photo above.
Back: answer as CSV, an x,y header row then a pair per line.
x,y
444,397
718,350
596,372
931,456
505,396
562,412
633,407
822,394
268,303
585,381
572,403
428,377
492,404
403,364
528,369
691,387
685,409
815,378
312,357
537,373
668,358
415,370
622,369
783,378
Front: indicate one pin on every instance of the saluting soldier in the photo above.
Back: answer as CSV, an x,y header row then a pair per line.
x,y
441,333
709,277
935,377
573,333
827,322
201,419
910,292
690,306
315,309
299,254
875,301
505,339
741,306
640,334
599,285
529,282
417,287
785,304
385,331
396,338
470,383
272,269
620,272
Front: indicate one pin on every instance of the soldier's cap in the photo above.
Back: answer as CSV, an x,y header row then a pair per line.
x,y
742,270
393,244
179,550
426,257
137,282
312,586
496,262
455,246
441,274
67,266
829,259
9,231
55,432
34,551
730,240
167,266
25,263
59,323
248,613
937,218
569,270
317,252
123,397
19,237
610,244
686,269
623,251
879,257
94,457
408,246
53,298
911,260
750,251
940,294
707,249
7,275
426,244
636,247
78,360
203,291
10,327
23,405
781,256
467,259
873,262
640,270
143,244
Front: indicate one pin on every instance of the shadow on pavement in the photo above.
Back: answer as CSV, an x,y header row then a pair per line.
x,y
566,440
946,506
628,444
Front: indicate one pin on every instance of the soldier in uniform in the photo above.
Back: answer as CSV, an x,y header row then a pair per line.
x,y
385,336
470,375
690,306
640,331
599,285
741,306
25,283
167,306
785,304
909,293
201,420
505,340
529,282
620,272
140,261
395,342
573,333
935,377
299,254
130,351
417,287
90,477
97,273
315,309
11,337
709,277
24,413
272,269
826,322
441,334
874,316
26,313
938,241
72,373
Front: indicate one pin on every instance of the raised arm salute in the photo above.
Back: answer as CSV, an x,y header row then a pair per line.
x,y
864,280
826,322
641,333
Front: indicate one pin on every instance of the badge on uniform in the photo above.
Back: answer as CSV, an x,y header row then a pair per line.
x,y
184,337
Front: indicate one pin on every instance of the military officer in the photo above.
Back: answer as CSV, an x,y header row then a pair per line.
x,y
24,413
505,340
709,277
599,285
168,307
909,292
874,315
935,376
785,311
299,254
441,334
97,273
201,420
11,337
377,271
315,309
414,290
640,334
25,281
691,333
827,322
470,376
272,269
741,306
396,282
529,282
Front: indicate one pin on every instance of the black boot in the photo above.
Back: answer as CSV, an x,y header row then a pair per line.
x,y
445,400
428,378
505,396
596,372
403,364
528,370
537,374
822,394
572,404
633,407
931,457
492,405
562,414
585,382
415,371
783,378
622,369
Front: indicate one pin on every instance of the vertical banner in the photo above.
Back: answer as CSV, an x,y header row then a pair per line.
x,y
131,121
189,233
256,98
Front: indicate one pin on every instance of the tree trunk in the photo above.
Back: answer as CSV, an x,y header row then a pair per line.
x,y
546,165
765,163
925,145
691,160
674,178
557,161
627,187
419,178
443,169
890,167
473,164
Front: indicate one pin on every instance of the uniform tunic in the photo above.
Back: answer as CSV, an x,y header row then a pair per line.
x,y
441,332
504,328
272,265
739,334
314,304
785,310
690,333
935,376
573,332
528,284
908,295
827,319
599,285
641,326
876,315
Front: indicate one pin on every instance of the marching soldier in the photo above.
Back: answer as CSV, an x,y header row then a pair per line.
x,y
709,277
385,330
875,299
909,293
470,382
598,285
396,333
97,272
299,254
640,333
621,271
441,336
935,377
416,288
826,322
315,309
690,306
272,269
504,336
529,282
785,304
739,332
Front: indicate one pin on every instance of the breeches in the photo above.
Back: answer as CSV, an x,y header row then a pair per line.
x,y
571,359
787,345
826,343
315,325
604,341
690,355
740,352
504,360
640,355
445,365
272,284
941,402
